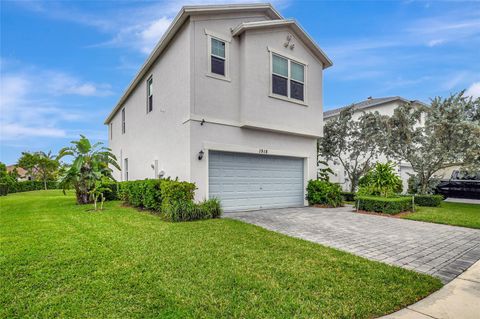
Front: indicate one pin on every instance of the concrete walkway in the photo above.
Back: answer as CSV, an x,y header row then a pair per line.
x,y
439,250
459,299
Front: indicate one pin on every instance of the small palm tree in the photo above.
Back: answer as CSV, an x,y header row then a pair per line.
x,y
91,164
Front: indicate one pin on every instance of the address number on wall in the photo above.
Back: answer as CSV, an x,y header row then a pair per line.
x,y
263,151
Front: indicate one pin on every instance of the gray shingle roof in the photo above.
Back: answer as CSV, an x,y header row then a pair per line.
x,y
364,104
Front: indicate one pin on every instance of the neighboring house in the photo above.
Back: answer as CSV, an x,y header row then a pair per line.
x,y
384,106
22,173
230,99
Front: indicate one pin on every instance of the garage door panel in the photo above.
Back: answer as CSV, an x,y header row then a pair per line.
x,y
250,181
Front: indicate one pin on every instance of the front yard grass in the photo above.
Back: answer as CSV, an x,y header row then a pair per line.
x,y
456,214
59,260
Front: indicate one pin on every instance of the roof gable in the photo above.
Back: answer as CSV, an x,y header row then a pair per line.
x,y
175,26
294,26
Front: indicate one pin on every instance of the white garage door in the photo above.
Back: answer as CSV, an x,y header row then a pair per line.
x,y
250,181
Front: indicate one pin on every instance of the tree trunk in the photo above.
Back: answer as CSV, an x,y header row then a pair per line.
x,y
353,184
45,183
82,198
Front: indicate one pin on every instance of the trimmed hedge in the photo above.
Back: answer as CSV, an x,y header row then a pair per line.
x,y
387,205
143,193
428,200
173,199
27,186
324,193
348,196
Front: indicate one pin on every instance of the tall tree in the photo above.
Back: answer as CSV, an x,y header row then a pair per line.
x,y
352,143
445,134
40,165
90,165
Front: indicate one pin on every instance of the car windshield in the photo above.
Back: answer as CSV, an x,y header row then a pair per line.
x,y
464,175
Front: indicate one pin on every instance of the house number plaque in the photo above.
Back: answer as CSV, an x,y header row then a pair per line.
x,y
263,151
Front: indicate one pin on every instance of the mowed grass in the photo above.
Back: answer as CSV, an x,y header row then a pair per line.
x,y
456,214
60,260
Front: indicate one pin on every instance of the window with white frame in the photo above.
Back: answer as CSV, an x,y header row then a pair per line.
x,y
123,121
218,58
288,78
111,130
125,168
150,94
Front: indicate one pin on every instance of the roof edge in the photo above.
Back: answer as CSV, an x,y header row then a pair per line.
x,y
311,44
336,111
184,13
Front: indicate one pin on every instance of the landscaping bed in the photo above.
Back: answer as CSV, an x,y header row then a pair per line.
x,y
59,261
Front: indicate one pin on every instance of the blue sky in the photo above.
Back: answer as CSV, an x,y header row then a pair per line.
x,y
65,64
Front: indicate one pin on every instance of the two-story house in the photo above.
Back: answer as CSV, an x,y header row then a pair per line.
x,y
230,99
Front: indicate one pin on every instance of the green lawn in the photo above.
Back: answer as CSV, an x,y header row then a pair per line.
x,y
59,260
457,214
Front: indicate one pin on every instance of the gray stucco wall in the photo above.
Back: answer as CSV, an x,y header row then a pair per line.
x,y
159,135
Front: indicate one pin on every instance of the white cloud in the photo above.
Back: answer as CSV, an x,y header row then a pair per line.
x,y
473,90
13,130
435,42
133,26
29,104
152,34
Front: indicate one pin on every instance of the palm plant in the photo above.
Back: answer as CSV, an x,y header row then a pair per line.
x,y
91,165
381,180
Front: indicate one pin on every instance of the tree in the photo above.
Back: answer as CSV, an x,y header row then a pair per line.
x,y
6,178
40,165
353,143
447,133
90,165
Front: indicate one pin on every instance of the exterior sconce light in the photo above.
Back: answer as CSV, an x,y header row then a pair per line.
x,y
200,155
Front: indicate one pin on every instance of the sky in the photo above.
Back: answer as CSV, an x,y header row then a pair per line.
x,y
64,65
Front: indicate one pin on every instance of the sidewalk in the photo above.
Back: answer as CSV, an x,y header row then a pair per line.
x,y
459,299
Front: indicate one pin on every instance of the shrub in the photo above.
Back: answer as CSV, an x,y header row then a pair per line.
x,y
3,189
380,181
211,208
348,196
387,205
174,190
27,186
141,193
152,197
428,200
112,190
177,211
173,199
324,193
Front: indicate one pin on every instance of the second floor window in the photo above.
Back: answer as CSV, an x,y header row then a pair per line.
x,y
288,78
150,95
111,131
217,57
123,121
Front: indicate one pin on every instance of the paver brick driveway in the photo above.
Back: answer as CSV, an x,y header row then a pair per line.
x,y
440,250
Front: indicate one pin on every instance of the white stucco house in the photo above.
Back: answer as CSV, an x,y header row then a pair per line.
x,y
384,106
230,99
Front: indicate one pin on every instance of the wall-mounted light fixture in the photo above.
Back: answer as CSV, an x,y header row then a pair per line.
x,y
202,122
200,155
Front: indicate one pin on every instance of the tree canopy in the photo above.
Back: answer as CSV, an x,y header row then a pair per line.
x,y
444,134
352,143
